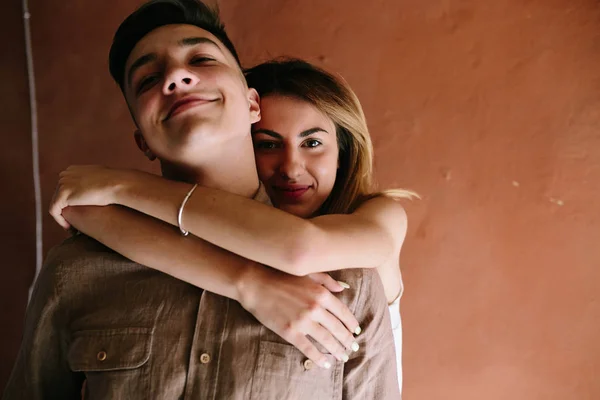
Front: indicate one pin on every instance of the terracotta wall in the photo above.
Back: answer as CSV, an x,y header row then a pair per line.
x,y
489,109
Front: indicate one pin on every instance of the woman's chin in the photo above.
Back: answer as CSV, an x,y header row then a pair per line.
x,y
299,210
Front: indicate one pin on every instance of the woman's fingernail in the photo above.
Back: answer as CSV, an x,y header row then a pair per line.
x,y
344,284
357,331
326,365
345,358
355,347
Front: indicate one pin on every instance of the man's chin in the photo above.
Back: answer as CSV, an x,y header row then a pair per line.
x,y
191,132
188,123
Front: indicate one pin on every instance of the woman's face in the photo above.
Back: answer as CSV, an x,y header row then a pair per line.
x,y
296,154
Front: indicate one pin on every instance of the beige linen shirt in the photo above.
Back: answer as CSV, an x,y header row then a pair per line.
x,y
135,333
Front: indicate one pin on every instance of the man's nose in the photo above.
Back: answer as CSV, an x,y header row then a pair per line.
x,y
177,79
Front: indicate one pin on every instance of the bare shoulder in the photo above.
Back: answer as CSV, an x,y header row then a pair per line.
x,y
387,212
384,205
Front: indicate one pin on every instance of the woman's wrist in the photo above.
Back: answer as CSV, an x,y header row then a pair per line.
x,y
125,186
246,284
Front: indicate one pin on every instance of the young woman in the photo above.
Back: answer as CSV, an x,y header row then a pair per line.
x,y
314,158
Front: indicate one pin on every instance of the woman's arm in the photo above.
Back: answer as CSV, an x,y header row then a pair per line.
x,y
279,301
297,246
365,239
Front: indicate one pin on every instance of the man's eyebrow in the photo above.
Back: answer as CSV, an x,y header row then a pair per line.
x,y
276,135
185,42
137,64
192,41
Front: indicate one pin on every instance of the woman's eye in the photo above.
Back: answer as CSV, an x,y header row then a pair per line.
x,y
266,145
312,143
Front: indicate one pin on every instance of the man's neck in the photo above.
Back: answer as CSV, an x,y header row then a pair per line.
x,y
233,169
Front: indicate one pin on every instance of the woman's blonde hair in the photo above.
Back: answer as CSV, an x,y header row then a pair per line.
x,y
333,97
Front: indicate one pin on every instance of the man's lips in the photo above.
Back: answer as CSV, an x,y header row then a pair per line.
x,y
185,104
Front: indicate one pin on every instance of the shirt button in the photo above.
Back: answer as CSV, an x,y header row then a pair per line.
x,y
205,358
308,365
101,356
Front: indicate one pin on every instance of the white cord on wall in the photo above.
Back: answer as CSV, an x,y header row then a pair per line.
x,y
34,145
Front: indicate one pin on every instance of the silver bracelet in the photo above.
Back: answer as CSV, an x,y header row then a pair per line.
x,y
180,214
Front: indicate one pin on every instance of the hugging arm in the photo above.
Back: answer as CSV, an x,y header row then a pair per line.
x,y
367,238
290,306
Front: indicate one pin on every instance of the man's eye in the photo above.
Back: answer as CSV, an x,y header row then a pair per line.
x,y
312,143
200,60
146,83
266,145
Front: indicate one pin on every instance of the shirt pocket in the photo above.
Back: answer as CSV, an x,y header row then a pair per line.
x,y
115,362
283,372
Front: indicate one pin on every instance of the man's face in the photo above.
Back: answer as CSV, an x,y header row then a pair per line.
x,y
187,93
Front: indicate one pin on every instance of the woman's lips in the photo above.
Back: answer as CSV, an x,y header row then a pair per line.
x,y
291,194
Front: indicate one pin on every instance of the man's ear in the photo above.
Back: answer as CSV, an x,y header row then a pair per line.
x,y
142,145
254,103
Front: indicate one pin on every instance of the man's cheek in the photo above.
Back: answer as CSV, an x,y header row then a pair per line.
x,y
148,105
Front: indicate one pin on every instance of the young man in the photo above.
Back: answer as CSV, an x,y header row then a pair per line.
x,y
134,333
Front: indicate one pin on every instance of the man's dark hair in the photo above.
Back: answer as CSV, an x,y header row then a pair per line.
x,y
157,13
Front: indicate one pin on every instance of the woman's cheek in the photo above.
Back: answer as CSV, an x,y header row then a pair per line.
x,y
264,168
327,172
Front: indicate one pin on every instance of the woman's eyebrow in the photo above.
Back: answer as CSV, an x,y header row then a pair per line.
x,y
276,135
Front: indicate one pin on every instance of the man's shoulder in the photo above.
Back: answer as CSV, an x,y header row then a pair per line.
x,y
81,248
366,288
360,278
79,257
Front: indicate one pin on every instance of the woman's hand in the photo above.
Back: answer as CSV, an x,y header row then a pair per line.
x,y
295,307
89,185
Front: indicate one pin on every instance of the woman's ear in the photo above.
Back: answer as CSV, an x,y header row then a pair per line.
x,y
142,145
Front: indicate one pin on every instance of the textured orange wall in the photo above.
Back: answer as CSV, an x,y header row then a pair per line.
x,y
490,110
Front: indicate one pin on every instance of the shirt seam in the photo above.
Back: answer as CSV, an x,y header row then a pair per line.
x,y
214,396
256,360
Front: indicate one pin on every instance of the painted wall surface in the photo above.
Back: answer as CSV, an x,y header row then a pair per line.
x,y
490,110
